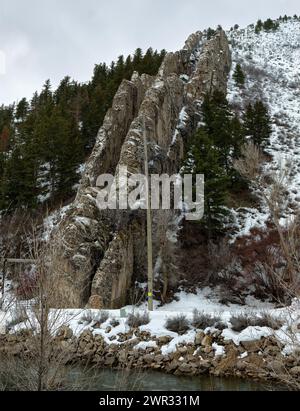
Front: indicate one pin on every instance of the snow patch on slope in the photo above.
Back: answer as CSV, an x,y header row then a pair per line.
x,y
271,62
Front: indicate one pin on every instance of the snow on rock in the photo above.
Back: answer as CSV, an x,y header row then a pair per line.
x,y
52,221
182,121
144,345
183,339
249,334
219,350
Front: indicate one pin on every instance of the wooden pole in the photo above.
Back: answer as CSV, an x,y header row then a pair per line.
x,y
149,225
3,283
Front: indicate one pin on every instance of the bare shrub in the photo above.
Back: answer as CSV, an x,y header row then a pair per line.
x,y
255,72
240,322
42,365
12,242
19,317
221,326
225,270
202,320
267,320
16,374
20,374
114,322
250,165
102,317
179,324
87,317
137,320
90,317
272,187
269,276
224,265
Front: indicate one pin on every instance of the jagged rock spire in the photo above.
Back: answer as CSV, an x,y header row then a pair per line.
x,y
96,254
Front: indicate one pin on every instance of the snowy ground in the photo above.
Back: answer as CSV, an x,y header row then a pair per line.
x,y
204,301
271,62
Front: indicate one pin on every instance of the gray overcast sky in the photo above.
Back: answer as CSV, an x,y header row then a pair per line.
x,y
53,38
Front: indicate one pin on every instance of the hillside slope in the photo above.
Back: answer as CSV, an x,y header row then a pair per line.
x,y
270,61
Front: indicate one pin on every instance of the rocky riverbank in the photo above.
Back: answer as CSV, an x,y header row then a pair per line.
x,y
209,354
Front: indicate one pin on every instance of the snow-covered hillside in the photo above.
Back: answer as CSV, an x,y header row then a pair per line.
x,y
271,62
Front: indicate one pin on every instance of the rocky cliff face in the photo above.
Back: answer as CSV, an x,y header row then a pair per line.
x,y
97,254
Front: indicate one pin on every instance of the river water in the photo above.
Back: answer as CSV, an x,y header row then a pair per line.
x,y
108,380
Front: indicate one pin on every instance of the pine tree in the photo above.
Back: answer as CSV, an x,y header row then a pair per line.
x,y
210,33
128,68
212,150
258,27
239,76
22,109
257,123
120,70
217,123
43,142
67,161
138,60
270,25
203,158
238,137
19,183
4,139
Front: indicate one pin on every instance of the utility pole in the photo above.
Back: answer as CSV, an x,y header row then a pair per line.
x,y
149,224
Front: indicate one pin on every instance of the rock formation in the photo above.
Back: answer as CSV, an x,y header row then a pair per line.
x,y
97,254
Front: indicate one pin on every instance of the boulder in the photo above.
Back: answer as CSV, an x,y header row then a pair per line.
x,y
110,360
207,350
276,367
271,351
199,338
172,366
95,302
182,350
65,333
207,341
204,366
148,358
252,346
164,340
295,371
185,368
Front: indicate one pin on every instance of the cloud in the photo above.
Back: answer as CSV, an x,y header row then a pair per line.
x,y
65,37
